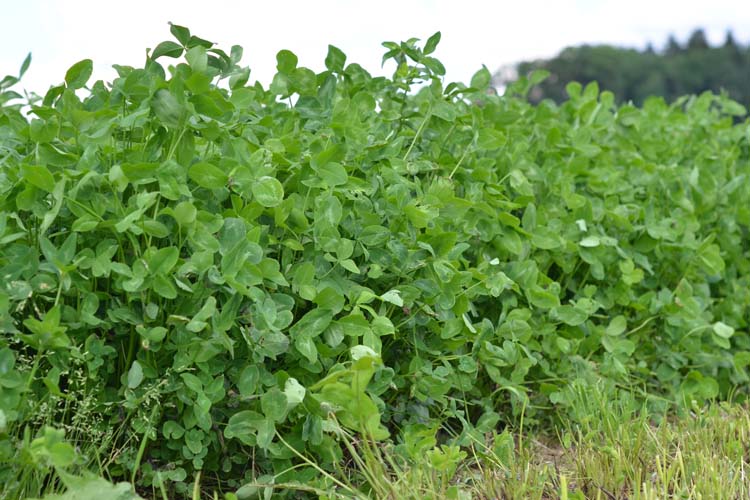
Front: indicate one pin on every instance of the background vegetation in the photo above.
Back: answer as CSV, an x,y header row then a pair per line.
x,y
678,69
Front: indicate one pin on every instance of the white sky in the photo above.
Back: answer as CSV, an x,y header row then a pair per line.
x,y
494,33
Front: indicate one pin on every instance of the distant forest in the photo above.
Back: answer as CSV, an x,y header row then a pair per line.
x,y
633,75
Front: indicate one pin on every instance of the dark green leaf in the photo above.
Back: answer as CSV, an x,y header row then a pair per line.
x,y
181,33
78,74
163,260
207,175
167,108
25,66
169,49
335,59
164,287
432,43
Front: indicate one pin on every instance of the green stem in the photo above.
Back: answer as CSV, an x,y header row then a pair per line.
x,y
142,447
84,207
34,369
131,349
419,132
174,144
463,156
197,486
59,289
156,212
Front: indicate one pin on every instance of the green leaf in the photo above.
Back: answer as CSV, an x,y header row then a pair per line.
x,y
138,171
274,404
192,382
723,330
135,375
248,381
570,315
350,266
167,108
154,335
197,58
169,49
545,239
328,298
481,79
538,76
185,213
155,228
91,487
163,260
313,323
361,352
328,209
244,425
306,346
39,176
286,62
710,258
200,320
207,175
51,215
431,44
543,298
78,74
419,216
490,139
333,174
696,385
394,297
181,33
43,131
335,59
164,287
266,431
617,326
590,242
573,89
268,191
197,41
24,66
294,392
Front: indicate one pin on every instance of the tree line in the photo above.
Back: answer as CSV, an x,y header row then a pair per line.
x,y
633,75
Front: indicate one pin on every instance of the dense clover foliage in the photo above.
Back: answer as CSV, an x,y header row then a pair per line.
x,y
206,275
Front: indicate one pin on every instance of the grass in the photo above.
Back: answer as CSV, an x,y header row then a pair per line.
x,y
610,449
604,445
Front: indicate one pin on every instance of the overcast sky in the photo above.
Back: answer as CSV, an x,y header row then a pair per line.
x,y
493,33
